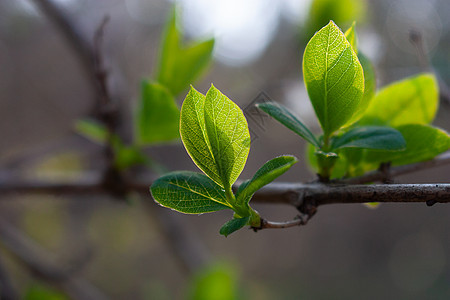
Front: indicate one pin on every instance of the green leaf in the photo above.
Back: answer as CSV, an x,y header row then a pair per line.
x,y
158,116
410,101
215,282
370,86
423,142
92,130
369,76
370,137
178,65
350,34
343,12
215,134
228,135
288,119
333,77
233,225
189,192
266,174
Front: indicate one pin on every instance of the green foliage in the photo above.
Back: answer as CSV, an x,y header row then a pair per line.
x,y
361,129
156,118
215,134
266,174
216,282
370,137
411,101
157,115
333,77
288,119
181,65
233,225
189,192
423,143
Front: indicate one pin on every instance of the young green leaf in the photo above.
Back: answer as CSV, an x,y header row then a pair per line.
x,y
192,61
233,225
370,86
333,77
178,65
369,76
266,174
158,116
288,119
92,130
228,135
189,192
339,169
370,137
215,134
350,34
410,101
423,142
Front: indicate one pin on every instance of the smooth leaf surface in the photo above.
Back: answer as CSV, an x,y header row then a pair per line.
x,y
181,65
194,135
158,116
92,130
423,142
370,137
233,225
228,136
266,174
333,77
189,192
410,101
283,115
370,86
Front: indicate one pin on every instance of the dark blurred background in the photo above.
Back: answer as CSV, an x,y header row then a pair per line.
x,y
397,251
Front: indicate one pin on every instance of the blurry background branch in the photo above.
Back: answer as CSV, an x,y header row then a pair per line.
x,y
37,261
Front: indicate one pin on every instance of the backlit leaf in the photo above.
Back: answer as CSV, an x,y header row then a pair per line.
x,y
215,134
350,34
181,65
411,101
158,116
189,192
228,136
333,77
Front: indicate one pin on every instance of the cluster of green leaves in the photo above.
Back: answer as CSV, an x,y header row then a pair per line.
x,y
361,129
215,134
157,115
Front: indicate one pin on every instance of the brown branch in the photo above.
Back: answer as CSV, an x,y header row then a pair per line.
x,y
37,261
82,47
380,175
